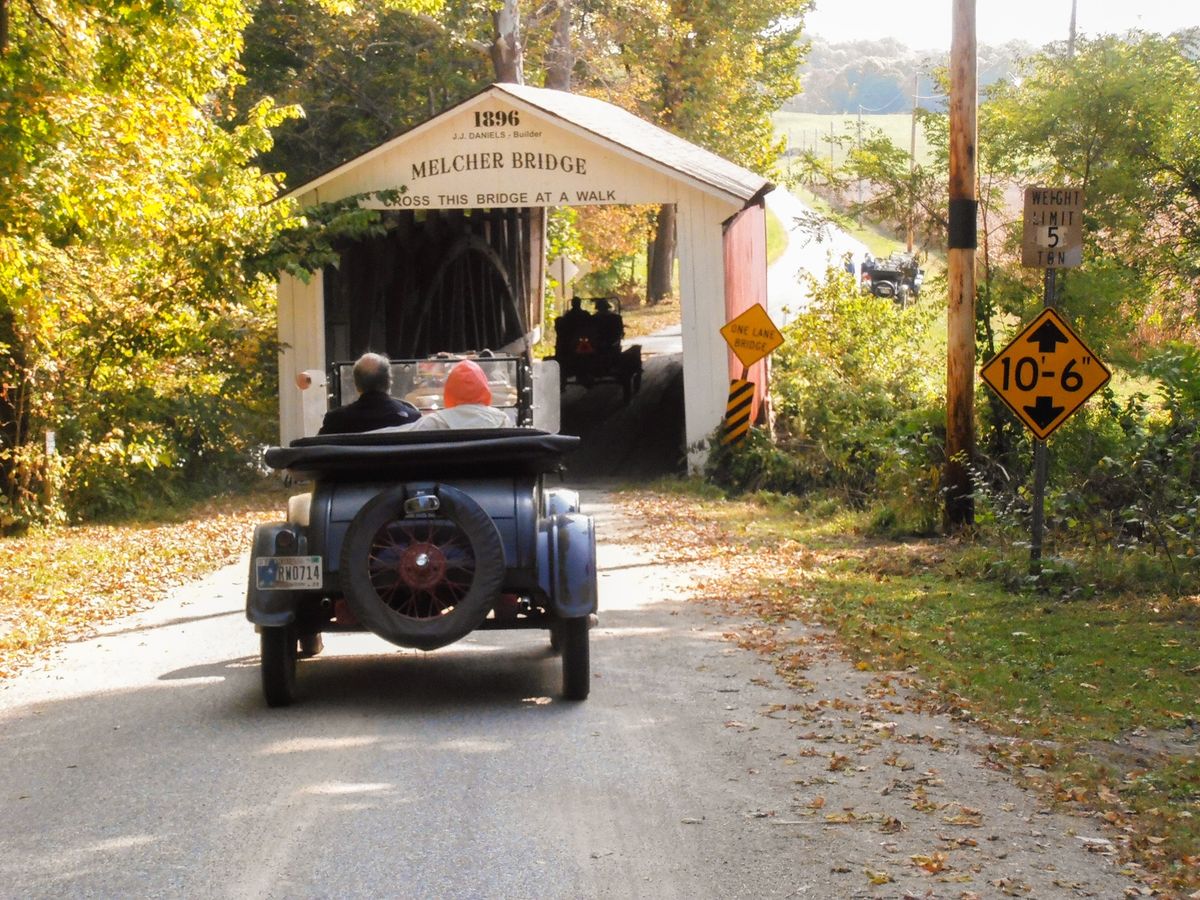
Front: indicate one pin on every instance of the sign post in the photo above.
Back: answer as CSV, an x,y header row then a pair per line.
x,y
751,336
1046,372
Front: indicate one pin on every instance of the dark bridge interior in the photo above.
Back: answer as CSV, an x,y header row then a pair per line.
x,y
438,280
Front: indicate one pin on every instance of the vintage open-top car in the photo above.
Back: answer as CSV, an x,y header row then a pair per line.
x,y
422,537
899,276
590,351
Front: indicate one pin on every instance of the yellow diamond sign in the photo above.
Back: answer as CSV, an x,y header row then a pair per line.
x,y
1045,374
752,335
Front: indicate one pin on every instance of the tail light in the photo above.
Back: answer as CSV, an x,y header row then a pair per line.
x,y
285,543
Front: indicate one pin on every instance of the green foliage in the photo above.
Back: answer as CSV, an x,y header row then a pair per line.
x,y
136,330
1123,493
855,396
1121,121
562,242
757,463
314,238
362,71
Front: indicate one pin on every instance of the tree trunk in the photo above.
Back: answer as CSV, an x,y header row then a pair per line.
x,y
662,256
3,26
560,59
508,58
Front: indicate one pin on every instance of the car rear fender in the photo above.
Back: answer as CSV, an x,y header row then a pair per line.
x,y
560,500
273,608
567,563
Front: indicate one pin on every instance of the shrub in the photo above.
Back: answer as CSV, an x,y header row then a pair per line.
x,y
857,413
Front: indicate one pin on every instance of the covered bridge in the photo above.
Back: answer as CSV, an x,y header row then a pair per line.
x,y
462,265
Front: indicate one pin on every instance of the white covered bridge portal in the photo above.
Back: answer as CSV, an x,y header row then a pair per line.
x,y
462,266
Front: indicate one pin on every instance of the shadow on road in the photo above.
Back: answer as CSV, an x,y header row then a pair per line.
x,y
638,441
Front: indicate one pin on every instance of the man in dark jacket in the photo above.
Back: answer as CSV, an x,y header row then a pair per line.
x,y
375,407
609,328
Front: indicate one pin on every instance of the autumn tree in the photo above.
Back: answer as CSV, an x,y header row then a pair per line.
x,y
132,330
1120,120
711,72
360,76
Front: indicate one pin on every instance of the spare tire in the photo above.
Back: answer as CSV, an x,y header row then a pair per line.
x,y
422,578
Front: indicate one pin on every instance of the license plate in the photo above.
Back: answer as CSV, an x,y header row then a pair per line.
x,y
286,573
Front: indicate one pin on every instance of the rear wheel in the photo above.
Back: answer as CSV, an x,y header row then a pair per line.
x,y
422,579
278,646
576,664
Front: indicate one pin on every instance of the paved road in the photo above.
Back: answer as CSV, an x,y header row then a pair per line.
x,y
808,252
142,763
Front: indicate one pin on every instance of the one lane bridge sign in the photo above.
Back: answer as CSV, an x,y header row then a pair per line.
x,y
752,335
1045,373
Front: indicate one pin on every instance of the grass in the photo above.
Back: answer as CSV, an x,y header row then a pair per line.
x,y
1096,701
777,239
812,131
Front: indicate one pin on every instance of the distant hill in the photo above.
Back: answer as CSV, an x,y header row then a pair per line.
x,y
878,76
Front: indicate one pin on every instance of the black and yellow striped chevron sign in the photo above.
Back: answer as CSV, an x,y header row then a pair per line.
x,y
737,411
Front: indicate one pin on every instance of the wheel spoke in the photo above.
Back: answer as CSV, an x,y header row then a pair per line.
x,y
421,569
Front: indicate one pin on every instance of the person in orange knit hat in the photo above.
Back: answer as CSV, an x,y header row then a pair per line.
x,y
467,398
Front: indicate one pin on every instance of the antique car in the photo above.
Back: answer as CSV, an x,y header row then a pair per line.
x,y
898,276
589,352
422,537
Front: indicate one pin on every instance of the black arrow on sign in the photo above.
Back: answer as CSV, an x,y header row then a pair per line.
x,y
1046,336
1043,411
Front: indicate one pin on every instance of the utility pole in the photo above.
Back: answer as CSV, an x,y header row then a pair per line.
x,y
960,271
912,160
1071,37
858,146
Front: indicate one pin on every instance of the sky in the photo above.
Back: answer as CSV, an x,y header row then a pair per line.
x,y
925,24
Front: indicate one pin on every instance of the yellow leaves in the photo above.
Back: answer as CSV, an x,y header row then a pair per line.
x,y
932,862
845,817
878,877
891,825
920,800
966,816
60,583
1010,887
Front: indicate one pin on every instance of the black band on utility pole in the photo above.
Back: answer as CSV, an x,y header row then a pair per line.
x,y
961,230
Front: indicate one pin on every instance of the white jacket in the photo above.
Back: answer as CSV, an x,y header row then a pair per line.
x,y
466,415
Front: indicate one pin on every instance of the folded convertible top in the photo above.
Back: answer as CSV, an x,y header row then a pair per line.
x,y
423,454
